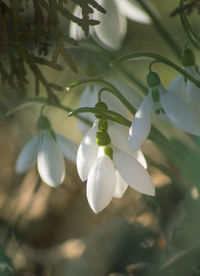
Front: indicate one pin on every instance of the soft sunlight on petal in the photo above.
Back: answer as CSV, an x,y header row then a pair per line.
x,y
141,124
121,186
133,173
28,155
88,98
50,161
119,136
177,86
87,152
139,156
179,112
112,29
101,183
67,146
132,10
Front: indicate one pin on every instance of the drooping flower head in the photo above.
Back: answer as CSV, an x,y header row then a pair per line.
x,y
185,88
47,149
107,168
168,106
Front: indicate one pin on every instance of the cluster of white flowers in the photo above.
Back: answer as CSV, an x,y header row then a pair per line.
x,y
109,156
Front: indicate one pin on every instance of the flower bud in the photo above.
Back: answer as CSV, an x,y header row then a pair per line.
x,y
153,79
102,138
188,58
43,123
109,151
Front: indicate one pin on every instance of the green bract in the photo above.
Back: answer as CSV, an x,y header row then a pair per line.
x,y
101,105
188,58
153,79
43,123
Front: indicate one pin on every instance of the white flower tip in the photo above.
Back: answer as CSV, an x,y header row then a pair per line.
x,y
151,191
52,183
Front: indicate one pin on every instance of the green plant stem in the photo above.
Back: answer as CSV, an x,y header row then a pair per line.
x,y
106,114
161,30
157,58
111,87
188,29
44,101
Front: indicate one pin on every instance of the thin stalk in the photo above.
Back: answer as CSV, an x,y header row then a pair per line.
x,y
157,58
112,89
106,114
188,29
44,101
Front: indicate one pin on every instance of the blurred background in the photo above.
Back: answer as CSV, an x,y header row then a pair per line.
x,y
47,231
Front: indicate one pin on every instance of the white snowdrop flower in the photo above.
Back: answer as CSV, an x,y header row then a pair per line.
x,y
172,108
109,170
47,149
184,88
117,12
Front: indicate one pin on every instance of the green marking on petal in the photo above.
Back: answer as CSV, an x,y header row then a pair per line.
x,y
109,151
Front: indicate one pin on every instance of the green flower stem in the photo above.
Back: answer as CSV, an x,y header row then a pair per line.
x,y
112,89
106,114
188,29
44,101
161,30
158,58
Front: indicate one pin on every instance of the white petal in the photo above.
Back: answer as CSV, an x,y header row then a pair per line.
x,y
132,10
75,30
112,29
141,124
119,136
128,92
178,112
193,97
177,86
113,103
67,146
139,156
28,155
121,186
50,161
87,152
88,98
133,173
101,183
